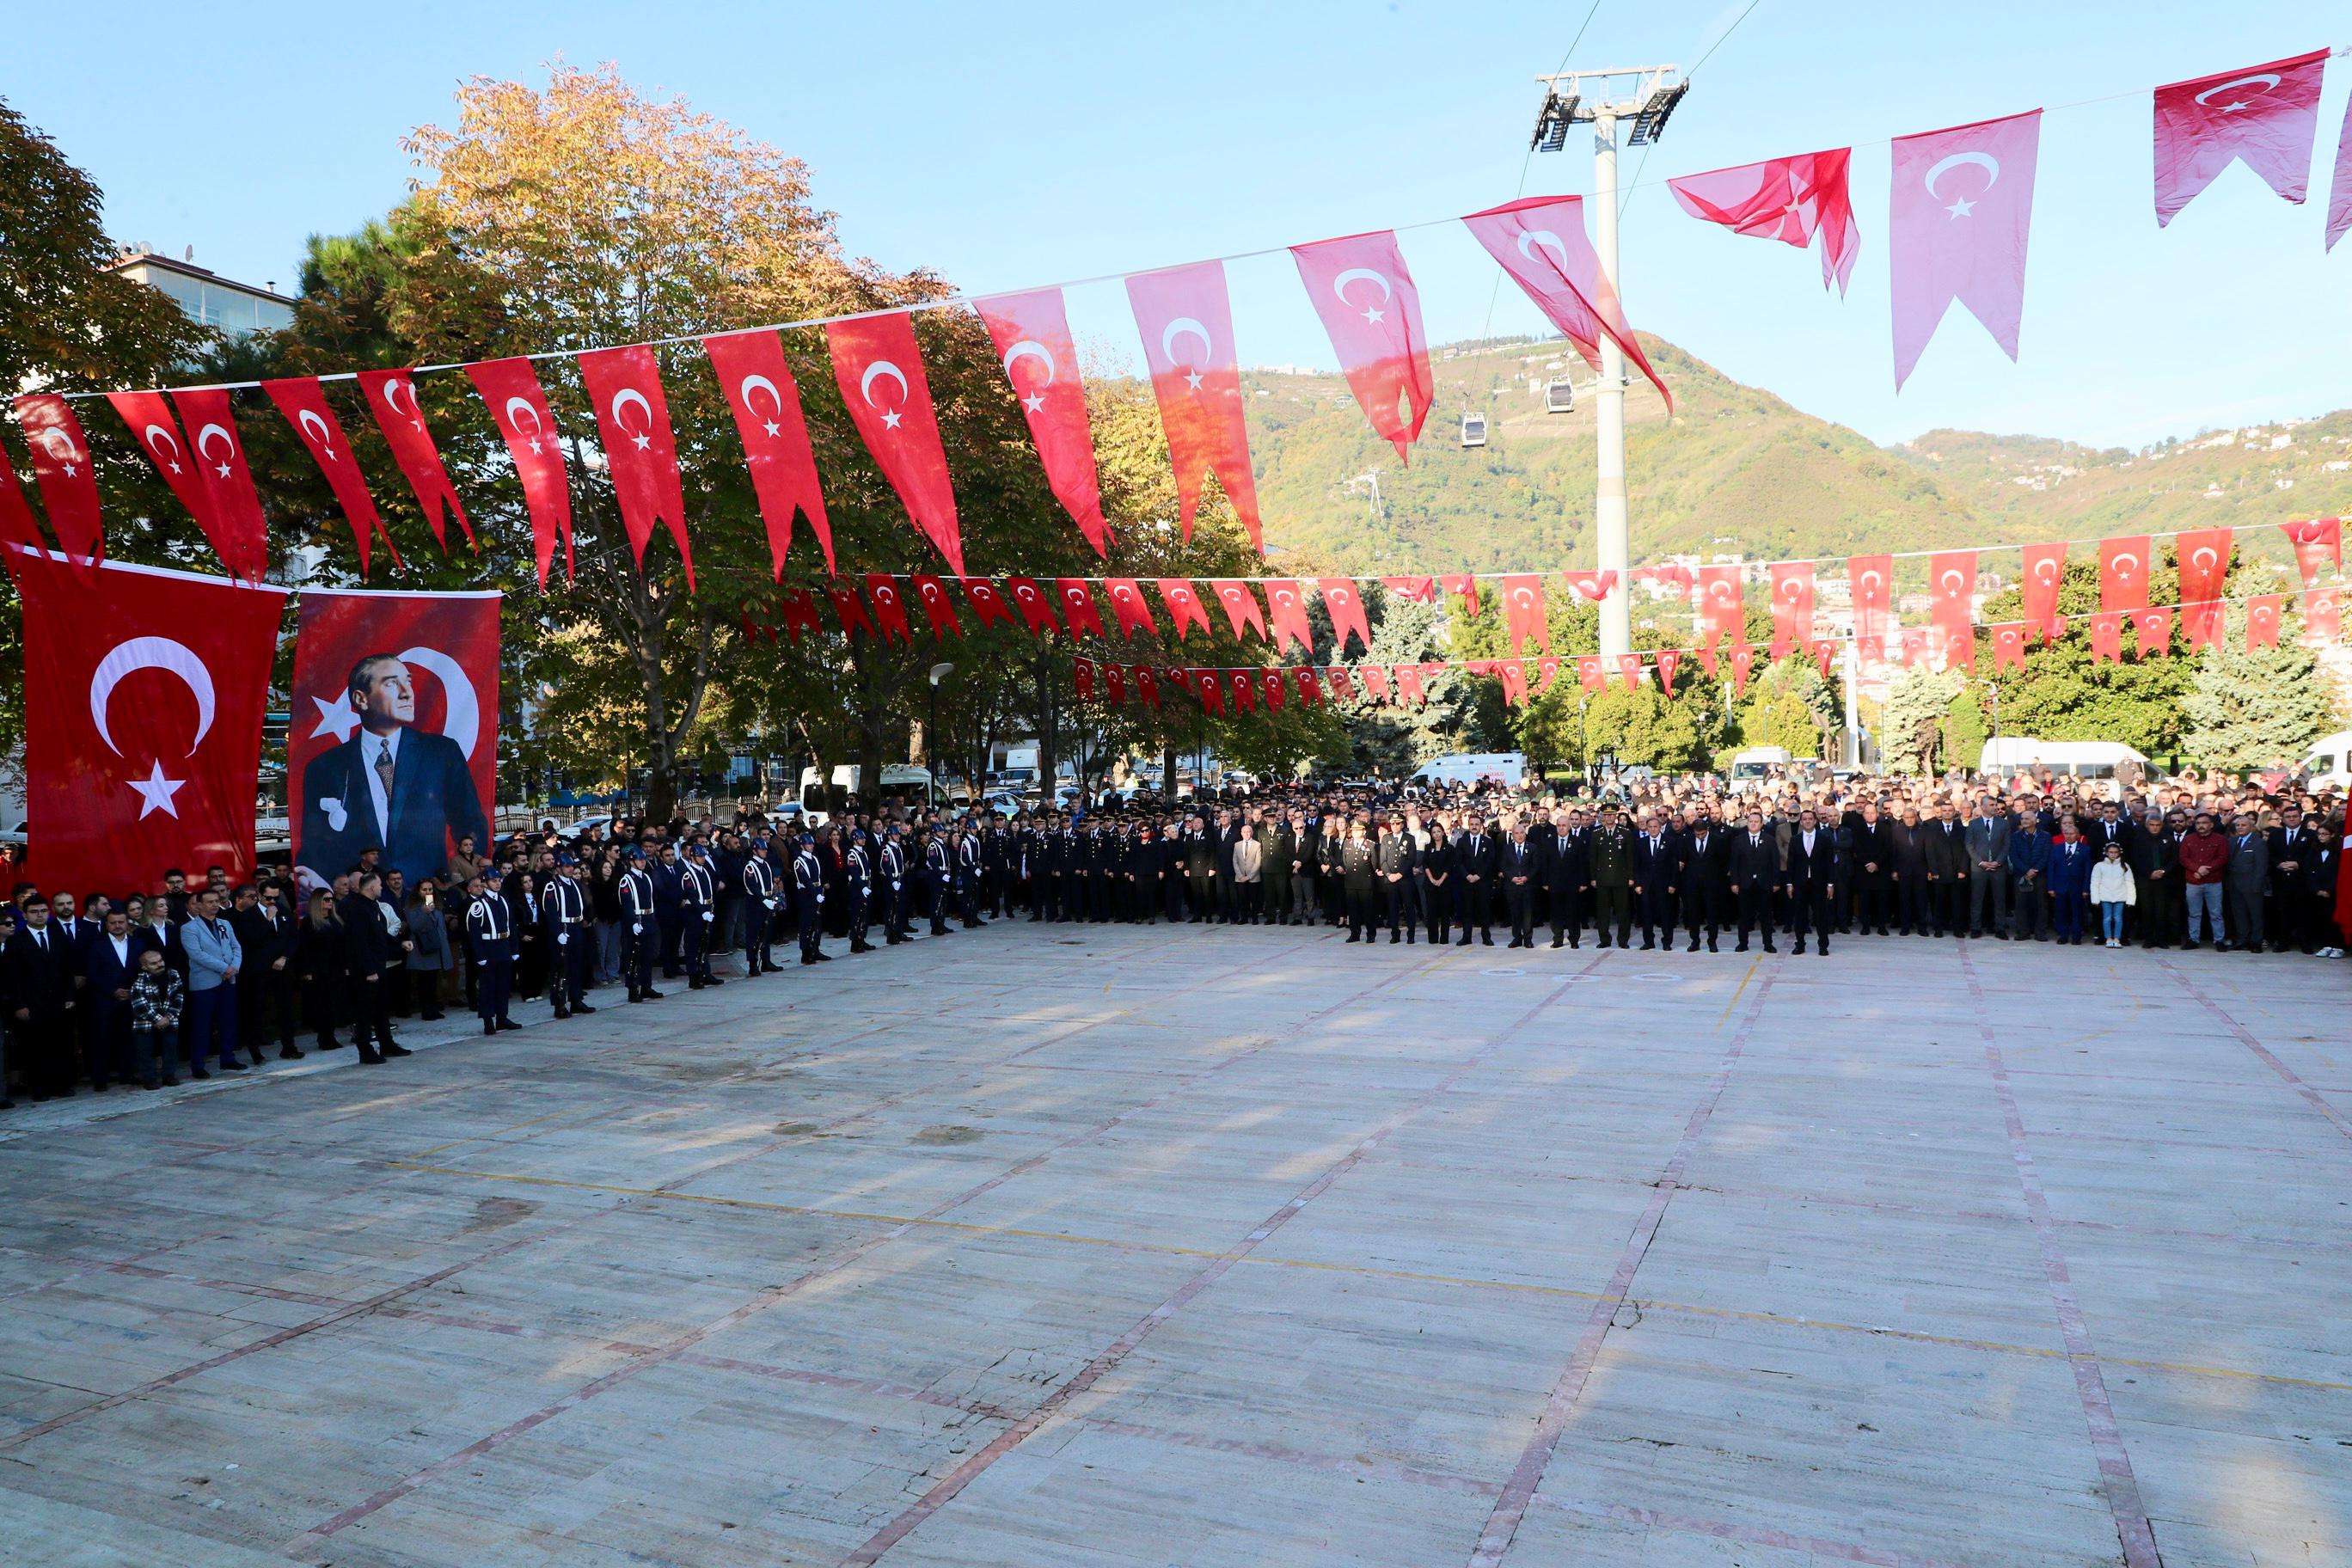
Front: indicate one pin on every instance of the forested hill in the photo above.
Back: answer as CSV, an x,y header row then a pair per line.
x,y
1735,470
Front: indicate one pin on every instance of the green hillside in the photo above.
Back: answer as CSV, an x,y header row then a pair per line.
x,y
1735,471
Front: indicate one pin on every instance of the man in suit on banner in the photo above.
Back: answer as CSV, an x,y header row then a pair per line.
x,y
390,785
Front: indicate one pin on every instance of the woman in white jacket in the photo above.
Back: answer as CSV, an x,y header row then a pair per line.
x,y
2112,892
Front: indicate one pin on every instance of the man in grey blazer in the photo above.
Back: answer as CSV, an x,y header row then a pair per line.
x,y
2242,884
1987,836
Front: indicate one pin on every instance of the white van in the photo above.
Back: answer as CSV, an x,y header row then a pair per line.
x,y
1752,768
1469,768
897,778
2095,764
2330,761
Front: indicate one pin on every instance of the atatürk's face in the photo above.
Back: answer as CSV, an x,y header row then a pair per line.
x,y
391,696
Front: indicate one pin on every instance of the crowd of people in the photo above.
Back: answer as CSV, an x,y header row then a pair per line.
x,y
99,989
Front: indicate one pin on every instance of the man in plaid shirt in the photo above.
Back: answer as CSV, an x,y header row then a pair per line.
x,y
158,998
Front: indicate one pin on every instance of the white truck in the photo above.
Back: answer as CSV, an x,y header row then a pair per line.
x,y
1503,769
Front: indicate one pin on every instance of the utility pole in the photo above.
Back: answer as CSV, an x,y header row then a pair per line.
x,y
1655,90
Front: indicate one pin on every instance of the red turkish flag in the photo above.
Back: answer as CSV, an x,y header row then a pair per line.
x,y
444,771
1409,686
2107,637
1792,606
1825,653
1342,687
1962,206
304,403
1183,602
2155,629
1629,670
1310,688
766,402
987,602
213,483
518,406
2045,572
2203,558
391,398
880,373
1241,604
1372,313
1547,672
1345,605
1274,687
1147,685
800,613
1188,341
1514,677
937,606
2323,621
2267,116
1082,676
1077,606
18,532
144,693
1952,577
2201,626
1743,664
1914,648
624,386
2339,219
61,467
849,610
1419,590
1589,674
889,607
1212,689
1115,681
1870,582
2009,645
2316,540
1721,613
1523,607
1288,607
1540,242
1127,603
1592,586
1464,584
1787,199
1245,689
1376,680
1035,604
1669,659
1031,335
1676,579
2262,621
1870,651
2123,572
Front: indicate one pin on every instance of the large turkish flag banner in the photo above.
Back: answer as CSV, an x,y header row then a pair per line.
x,y
144,693
2267,115
1187,324
1540,242
1963,203
1031,335
518,406
1375,330
431,685
766,402
625,388
880,373
1787,199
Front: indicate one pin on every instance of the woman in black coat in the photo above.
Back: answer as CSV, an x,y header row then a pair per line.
x,y
531,962
319,967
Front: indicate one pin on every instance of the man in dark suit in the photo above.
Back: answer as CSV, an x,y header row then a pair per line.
x,y
1521,873
1475,874
1567,878
1753,864
2242,884
265,981
1813,875
1701,875
1986,834
669,907
367,952
1946,853
391,785
1658,865
2291,848
108,964
41,973
1909,839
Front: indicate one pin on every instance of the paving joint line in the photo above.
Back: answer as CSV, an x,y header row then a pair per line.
x,y
2239,1032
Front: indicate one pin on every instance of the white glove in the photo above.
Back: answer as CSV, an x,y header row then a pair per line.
x,y
564,940
639,929
708,916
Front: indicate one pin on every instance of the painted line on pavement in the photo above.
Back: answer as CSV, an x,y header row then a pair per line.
x,y
2239,1032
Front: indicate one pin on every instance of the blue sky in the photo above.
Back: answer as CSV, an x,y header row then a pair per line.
x,y
1010,146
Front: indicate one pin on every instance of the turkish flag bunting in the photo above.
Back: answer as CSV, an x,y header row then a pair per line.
x,y
2009,645
1342,687
1409,686
2123,572
937,605
61,467
800,612
1376,680
1311,690
1721,613
518,406
2044,574
1127,603
2107,637
1031,335
1962,205
1183,602
1870,582
1276,688
1547,672
1676,579
212,483
2203,556
1037,606
1244,685
1147,685
1523,605
2323,622
1825,655
2262,621
1211,690
1787,199
1629,670
1241,604
1464,584
1669,660
1514,681
1870,651
1077,606
880,373
1593,586
391,398
2339,219
304,403
18,532
1952,577
1914,646
987,602
849,610
1420,590
142,720
1288,607
1743,663
1792,606
1540,242
766,402
2316,540
1372,313
2201,624
1082,677
1589,672
1115,683
2266,115
623,387
1345,605
2155,629
1188,342
889,607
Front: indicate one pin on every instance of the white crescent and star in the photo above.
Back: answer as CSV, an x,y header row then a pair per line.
x,y
744,389
1030,348
1185,326
60,446
152,434
2268,81
1961,207
641,439
1546,238
2126,565
316,428
391,391
1952,580
1340,287
205,435
2205,555
154,791
890,417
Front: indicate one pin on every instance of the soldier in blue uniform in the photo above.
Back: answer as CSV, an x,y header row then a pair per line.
x,y
563,920
698,907
939,876
969,866
640,928
893,889
758,887
491,943
808,901
857,879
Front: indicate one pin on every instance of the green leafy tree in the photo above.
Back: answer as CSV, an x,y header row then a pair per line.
x,y
2253,710
2063,695
1911,724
